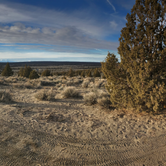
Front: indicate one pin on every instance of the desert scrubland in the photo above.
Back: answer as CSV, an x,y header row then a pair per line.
x,y
59,120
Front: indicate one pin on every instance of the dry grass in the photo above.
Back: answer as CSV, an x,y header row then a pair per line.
x,y
85,84
90,98
97,97
70,92
45,95
99,83
66,88
5,96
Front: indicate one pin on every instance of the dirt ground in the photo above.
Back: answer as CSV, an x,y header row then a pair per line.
x,y
67,131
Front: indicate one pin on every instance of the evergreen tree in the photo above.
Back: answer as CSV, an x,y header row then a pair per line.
x,y
27,71
21,71
46,73
33,75
96,73
7,71
136,82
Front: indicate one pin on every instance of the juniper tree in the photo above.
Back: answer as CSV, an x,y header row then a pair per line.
x,y
7,71
21,71
96,73
46,73
33,75
143,59
25,72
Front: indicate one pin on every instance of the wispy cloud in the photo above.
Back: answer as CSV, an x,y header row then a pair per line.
x,y
113,24
111,5
32,56
67,36
125,5
57,31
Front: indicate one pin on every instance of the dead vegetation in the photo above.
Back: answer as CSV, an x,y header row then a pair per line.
x,y
90,90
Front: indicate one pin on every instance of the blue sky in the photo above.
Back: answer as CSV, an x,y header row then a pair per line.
x,y
61,30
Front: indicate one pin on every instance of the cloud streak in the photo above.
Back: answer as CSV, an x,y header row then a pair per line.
x,y
67,36
77,31
111,5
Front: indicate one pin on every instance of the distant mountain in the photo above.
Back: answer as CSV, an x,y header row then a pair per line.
x,y
51,63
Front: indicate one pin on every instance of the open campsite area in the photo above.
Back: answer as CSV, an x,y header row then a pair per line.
x,y
59,120
83,83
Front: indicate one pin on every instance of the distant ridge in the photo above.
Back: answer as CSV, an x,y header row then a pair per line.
x,y
51,63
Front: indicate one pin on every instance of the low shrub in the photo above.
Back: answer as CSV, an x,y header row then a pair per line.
x,y
85,83
103,99
70,92
45,95
90,98
97,97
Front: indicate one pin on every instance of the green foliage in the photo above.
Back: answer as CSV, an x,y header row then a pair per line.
x,y
137,81
7,71
46,73
96,73
25,72
21,72
33,75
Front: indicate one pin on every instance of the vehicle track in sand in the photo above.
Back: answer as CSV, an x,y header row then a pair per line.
x,y
43,148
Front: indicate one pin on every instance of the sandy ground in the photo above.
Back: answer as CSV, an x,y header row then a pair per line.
x,y
68,132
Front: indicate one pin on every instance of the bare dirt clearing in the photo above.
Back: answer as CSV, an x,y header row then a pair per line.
x,y
65,131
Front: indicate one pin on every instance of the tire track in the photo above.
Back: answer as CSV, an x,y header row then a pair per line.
x,y
72,151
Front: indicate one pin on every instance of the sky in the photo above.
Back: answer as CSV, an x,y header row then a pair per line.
x,y
61,30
